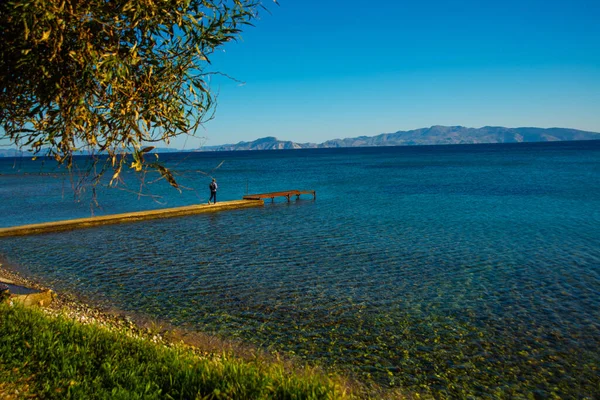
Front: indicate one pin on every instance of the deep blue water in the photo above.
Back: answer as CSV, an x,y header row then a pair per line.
x,y
443,269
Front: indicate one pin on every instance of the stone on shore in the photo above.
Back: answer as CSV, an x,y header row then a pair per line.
x,y
40,299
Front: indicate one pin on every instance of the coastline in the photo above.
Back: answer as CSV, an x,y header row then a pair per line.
x,y
198,343
83,311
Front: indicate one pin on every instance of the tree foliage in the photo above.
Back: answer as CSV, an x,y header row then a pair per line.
x,y
109,75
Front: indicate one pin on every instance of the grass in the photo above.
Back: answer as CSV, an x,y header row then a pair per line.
x,y
54,357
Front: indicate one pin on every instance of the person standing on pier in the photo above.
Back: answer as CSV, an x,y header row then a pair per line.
x,y
213,191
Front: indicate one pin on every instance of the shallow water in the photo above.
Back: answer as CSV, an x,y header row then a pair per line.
x,y
449,269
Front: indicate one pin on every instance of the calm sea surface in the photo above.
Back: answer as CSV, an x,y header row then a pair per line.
x,y
442,269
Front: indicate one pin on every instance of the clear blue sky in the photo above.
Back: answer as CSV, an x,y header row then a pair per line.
x,y
324,69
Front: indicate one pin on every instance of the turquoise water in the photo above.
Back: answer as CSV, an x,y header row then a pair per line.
x,y
452,270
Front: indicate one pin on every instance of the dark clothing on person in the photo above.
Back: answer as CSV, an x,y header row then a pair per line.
x,y
213,192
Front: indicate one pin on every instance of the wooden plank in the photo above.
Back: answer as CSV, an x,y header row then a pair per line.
x,y
67,225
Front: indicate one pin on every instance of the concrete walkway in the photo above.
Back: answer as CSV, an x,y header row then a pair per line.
x,y
126,217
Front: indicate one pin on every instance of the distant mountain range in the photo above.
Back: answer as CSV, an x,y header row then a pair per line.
x,y
425,136
25,153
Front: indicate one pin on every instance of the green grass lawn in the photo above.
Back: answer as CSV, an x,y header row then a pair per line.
x,y
58,358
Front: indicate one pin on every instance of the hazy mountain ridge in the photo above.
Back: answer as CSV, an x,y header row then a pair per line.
x,y
436,134
266,143
26,153
14,153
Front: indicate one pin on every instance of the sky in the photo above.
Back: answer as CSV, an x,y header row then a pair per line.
x,y
314,70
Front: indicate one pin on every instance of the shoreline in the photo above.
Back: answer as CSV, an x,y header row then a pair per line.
x,y
201,344
84,311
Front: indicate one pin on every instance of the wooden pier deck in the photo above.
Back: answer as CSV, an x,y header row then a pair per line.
x,y
287,194
68,225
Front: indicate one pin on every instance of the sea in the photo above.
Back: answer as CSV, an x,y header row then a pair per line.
x,y
450,271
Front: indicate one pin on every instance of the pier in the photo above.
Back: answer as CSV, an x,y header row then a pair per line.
x,y
287,194
251,200
68,225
